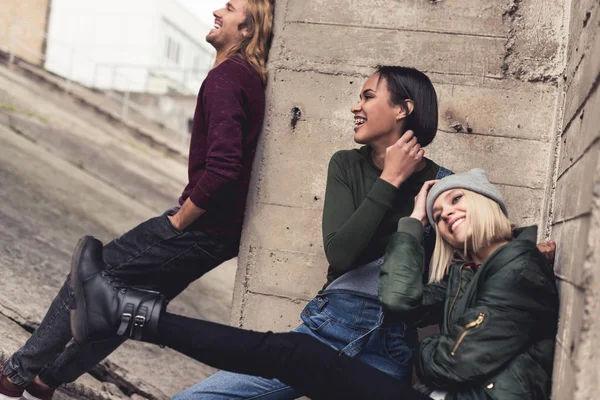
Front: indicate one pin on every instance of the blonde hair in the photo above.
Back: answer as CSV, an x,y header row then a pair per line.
x,y
255,47
488,225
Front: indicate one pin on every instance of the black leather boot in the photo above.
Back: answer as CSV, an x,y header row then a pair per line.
x,y
105,307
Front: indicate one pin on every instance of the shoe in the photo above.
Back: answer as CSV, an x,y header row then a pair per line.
x,y
104,306
8,390
36,391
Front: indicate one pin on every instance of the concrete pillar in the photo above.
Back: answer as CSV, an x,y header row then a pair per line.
x,y
496,67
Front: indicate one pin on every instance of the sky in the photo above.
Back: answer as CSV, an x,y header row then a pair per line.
x,y
203,9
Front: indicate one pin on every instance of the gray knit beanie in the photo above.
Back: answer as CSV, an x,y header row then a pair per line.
x,y
475,180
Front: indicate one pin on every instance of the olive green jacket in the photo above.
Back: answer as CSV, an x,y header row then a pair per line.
x,y
497,324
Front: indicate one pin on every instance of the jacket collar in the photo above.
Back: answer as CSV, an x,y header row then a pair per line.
x,y
526,233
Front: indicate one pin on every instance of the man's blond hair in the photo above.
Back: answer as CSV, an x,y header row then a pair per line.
x,y
488,224
259,24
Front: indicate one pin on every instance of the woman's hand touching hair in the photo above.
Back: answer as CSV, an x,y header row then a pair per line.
x,y
402,159
420,209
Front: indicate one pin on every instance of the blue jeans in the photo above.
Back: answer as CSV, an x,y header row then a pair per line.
x,y
154,255
348,322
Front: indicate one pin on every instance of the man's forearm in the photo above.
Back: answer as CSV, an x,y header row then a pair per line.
x,y
187,214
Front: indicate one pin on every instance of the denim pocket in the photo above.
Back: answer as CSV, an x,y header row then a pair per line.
x,y
396,347
313,316
166,216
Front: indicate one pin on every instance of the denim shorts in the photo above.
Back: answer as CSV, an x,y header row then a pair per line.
x,y
352,324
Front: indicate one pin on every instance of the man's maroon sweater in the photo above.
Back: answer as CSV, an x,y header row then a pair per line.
x,y
228,118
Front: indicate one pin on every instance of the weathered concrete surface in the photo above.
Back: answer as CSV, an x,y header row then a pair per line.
x,y
479,17
576,217
332,44
496,68
263,312
66,172
536,39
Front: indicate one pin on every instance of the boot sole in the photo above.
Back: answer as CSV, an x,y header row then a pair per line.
x,y
78,325
29,396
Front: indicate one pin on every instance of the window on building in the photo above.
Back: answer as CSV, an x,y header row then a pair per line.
x,y
172,50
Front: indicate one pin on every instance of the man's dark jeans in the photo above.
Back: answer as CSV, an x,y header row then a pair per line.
x,y
154,255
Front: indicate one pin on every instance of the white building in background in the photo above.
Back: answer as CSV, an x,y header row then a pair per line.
x,y
154,46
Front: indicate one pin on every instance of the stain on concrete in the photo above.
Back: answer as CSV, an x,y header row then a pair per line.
x,y
296,115
588,14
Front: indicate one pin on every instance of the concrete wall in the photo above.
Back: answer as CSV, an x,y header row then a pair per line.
x,y
23,28
496,67
576,216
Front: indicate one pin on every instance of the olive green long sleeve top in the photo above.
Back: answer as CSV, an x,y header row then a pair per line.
x,y
361,210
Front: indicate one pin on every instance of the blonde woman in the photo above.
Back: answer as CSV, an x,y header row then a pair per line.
x,y
497,305
493,297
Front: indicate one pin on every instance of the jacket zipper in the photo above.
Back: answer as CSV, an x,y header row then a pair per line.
x,y
468,327
455,297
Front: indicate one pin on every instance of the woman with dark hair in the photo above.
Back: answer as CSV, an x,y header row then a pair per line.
x,y
497,306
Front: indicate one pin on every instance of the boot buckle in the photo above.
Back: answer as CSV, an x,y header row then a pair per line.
x,y
125,319
139,321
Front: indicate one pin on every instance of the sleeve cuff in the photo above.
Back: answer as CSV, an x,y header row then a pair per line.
x,y
200,199
383,193
411,226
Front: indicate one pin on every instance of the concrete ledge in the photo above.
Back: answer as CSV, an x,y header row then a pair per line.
x,y
581,132
524,204
279,227
571,237
507,161
575,186
437,52
265,312
523,114
288,274
300,179
478,17
583,74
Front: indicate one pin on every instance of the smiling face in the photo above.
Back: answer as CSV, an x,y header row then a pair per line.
x,y
228,31
375,117
450,217
467,223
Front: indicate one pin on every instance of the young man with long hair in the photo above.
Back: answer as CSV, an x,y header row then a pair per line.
x,y
166,253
